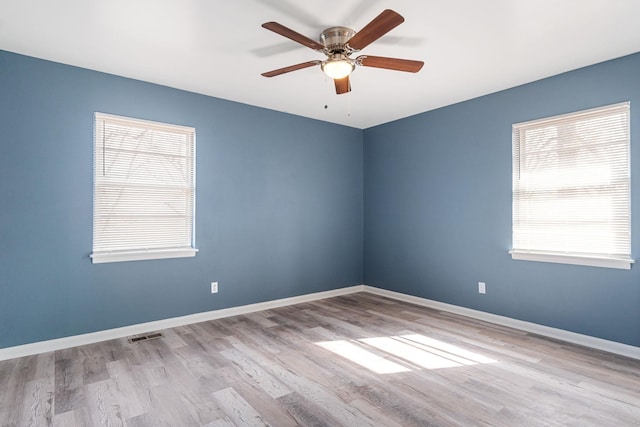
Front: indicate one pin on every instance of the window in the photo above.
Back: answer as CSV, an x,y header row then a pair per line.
x,y
571,188
144,190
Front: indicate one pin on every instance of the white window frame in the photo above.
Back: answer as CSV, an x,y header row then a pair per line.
x,y
536,196
144,190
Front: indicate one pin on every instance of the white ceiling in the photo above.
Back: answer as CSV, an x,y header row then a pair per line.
x,y
218,48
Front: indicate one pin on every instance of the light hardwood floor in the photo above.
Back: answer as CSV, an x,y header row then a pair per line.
x,y
356,360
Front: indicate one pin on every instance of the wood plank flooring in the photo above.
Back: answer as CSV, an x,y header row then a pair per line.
x,y
356,360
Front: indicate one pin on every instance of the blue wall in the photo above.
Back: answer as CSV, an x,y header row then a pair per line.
x,y
279,205
438,208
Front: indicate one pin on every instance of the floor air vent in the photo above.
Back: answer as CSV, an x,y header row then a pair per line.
x,y
148,337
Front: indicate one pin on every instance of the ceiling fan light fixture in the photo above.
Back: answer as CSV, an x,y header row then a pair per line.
x,y
338,66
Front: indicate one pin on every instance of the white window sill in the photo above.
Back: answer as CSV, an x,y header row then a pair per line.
x,y
621,263
102,257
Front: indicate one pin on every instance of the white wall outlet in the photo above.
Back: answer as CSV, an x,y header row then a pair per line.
x,y
214,287
482,288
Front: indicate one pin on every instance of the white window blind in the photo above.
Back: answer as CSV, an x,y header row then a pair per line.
x,y
144,190
571,188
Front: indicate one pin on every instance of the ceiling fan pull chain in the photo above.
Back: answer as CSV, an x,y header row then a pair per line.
x,y
326,91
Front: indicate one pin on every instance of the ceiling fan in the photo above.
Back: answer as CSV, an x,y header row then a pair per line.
x,y
338,43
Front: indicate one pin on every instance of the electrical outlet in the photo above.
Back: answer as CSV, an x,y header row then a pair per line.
x,y
482,288
214,287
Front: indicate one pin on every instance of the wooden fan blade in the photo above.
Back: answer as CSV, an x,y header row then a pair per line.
x,y
290,34
342,85
407,65
375,29
290,68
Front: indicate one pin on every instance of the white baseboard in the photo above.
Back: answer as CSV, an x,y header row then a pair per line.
x,y
142,328
559,334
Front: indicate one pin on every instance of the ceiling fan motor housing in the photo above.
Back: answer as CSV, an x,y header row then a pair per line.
x,y
335,40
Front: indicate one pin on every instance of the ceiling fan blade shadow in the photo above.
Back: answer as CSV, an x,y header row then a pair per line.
x,y
292,10
396,64
401,41
358,10
381,25
342,85
290,68
292,35
274,49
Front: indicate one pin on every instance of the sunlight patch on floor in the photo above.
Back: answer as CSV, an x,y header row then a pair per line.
x,y
363,357
412,351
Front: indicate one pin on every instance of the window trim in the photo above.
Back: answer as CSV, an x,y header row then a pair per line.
x,y
590,261
572,258
119,256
